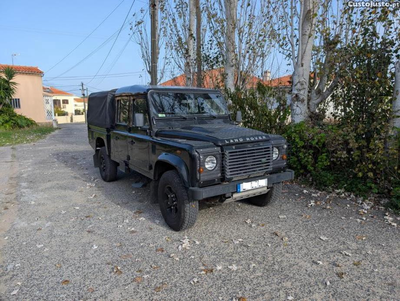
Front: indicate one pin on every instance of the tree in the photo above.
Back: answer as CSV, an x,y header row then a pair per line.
x,y
140,33
7,87
396,98
302,67
230,42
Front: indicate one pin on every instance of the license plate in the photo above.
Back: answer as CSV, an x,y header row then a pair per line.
x,y
251,185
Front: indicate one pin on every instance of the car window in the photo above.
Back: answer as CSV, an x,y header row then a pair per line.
x,y
140,107
123,110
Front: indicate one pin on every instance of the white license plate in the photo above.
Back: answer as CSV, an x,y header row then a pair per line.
x,y
251,185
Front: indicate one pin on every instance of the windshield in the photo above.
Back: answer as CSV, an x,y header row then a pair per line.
x,y
170,104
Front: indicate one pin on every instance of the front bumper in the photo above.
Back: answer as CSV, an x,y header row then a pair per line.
x,y
227,189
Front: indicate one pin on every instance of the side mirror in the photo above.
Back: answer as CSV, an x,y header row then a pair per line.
x,y
139,119
239,116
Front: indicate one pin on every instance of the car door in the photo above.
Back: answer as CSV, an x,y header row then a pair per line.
x,y
119,136
139,140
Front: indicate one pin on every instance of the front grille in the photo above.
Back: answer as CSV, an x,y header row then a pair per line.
x,y
248,161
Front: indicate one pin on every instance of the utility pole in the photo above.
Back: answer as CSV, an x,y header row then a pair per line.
x,y
198,44
154,41
83,96
13,56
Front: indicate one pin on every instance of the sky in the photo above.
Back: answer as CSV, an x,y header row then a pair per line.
x,y
43,32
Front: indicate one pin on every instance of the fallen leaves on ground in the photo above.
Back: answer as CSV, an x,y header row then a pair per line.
x,y
361,237
58,266
90,289
341,274
117,270
160,288
323,238
357,263
233,267
206,271
346,253
126,256
65,282
138,279
306,216
160,250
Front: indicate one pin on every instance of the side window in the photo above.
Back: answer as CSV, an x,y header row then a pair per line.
x,y
123,110
140,107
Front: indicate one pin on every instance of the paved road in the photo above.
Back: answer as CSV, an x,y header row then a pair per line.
x,y
66,235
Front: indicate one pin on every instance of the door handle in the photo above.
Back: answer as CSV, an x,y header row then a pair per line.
x,y
132,142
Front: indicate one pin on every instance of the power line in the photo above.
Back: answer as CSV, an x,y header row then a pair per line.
x,y
116,38
86,36
115,61
86,57
99,75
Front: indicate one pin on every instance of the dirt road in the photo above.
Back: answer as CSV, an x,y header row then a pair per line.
x,y
66,235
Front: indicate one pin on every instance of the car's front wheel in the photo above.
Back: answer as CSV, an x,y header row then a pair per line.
x,y
179,213
271,196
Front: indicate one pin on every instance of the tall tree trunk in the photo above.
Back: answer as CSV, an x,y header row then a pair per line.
x,y
396,98
189,67
199,77
301,75
230,42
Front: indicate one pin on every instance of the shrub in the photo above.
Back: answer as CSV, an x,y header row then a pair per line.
x,y
263,108
334,156
59,112
11,120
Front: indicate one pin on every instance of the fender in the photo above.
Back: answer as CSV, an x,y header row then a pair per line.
x,y
176,162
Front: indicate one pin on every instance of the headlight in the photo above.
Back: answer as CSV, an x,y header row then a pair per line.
x,y
210,163
275,153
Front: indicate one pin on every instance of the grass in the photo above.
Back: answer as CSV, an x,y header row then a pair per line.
x,y
22,136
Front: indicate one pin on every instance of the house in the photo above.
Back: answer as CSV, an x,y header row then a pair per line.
x,y
212,79
28,99
62,101
80,106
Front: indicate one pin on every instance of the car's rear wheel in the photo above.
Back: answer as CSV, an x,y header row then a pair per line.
x,y
271,196
179,213
108,168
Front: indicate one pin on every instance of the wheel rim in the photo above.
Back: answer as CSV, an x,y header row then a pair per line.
x,y
171,200
103,164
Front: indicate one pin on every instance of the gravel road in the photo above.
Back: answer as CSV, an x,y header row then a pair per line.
x,y
66,235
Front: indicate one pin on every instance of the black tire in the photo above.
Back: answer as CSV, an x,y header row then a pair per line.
x,y
273,195
178,212
108,167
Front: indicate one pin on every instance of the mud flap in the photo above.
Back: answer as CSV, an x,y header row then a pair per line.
x,y
96,161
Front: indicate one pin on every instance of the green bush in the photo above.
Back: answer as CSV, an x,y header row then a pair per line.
x,y
59,112
263,108
334,156
11,120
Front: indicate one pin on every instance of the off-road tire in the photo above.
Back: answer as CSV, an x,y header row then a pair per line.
x,y
179,213
108,168
273,195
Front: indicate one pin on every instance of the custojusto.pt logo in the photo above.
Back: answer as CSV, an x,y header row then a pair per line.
x,y
373,4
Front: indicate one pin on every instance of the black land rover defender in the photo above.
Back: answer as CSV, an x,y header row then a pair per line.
x,y
186,142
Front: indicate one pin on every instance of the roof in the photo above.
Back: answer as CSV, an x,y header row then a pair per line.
x,y
56,91
211,79
23,69
283,81
80,99
138,89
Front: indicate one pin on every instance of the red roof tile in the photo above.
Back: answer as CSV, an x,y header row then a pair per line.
x,y
55,91
283,81
22,69
211,79
80,100
214,79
